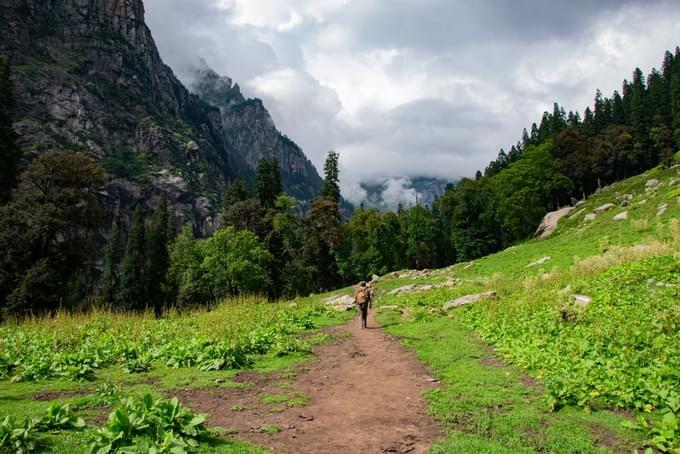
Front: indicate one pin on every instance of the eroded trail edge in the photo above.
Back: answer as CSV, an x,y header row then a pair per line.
x,y
365,395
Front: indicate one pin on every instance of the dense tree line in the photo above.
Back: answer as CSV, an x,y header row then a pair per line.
x,y
50,219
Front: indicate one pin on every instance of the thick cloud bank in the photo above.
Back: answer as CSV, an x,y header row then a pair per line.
x,y
411,88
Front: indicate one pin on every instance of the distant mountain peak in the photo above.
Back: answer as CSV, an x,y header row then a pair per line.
x,y
250,132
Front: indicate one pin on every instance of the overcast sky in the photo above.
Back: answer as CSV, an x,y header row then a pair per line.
x,y
404,88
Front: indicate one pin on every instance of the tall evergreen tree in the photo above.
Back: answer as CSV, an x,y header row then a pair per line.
x,y
331,184
638,106
110,277
237,191
618,111
322,240
172,226
10,153
268,181
132,294
157,258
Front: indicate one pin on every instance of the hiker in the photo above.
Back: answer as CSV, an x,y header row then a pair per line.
x,y
361,300
369,294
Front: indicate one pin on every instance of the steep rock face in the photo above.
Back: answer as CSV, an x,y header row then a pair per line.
x,y
250,131
88,77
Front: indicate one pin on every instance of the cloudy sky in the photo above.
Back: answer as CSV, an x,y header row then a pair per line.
x,y
405,88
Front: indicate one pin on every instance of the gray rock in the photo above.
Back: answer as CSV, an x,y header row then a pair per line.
x,y
590,217
540,261
602,208
661,209
621,216
651,184
549,223
375,278
344,300
469,299
579,203
403,289
581,300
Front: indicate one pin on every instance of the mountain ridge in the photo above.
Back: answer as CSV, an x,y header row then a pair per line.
x,y
88,77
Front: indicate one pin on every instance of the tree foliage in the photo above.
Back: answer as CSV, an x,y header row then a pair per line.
x,y
10,153
46,233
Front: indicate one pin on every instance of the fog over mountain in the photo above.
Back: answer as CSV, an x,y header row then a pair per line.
x,y
430,88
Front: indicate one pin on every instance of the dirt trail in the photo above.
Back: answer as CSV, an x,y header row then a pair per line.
x,y
365,394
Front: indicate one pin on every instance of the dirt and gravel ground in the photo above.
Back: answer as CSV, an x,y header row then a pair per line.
x,y
365,394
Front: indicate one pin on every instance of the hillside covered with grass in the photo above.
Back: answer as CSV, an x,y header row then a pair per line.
x,y
591,314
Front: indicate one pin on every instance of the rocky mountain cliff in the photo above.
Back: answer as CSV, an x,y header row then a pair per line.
x,y
250,131
88,77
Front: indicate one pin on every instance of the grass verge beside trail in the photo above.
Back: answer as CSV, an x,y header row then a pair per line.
x,y
488,407
92,361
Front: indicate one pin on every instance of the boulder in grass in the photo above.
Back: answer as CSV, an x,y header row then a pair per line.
x,y
469,299
341,300
621,216
590,217
603,208
540,261
651,184
549,223
581,300
661,209
403,289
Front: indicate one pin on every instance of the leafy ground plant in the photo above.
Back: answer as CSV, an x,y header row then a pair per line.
x,y
148,425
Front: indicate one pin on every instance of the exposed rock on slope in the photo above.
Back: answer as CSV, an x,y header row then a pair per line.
x,y
88,77
250,131
549,223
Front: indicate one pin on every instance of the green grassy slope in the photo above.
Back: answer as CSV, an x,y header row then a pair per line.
x,y
619,355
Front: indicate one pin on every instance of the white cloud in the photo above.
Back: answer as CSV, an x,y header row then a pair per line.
x,y
403,89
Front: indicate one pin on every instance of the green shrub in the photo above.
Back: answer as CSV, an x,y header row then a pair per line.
x,y
148,425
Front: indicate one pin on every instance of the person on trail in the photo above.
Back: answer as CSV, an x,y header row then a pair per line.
x,y
369,294
361,300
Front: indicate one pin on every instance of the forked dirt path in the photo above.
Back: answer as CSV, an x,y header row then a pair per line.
x,y
365,396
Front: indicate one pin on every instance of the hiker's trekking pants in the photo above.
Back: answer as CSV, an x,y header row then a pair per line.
x,y
363,308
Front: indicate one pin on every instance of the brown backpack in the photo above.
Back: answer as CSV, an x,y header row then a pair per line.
x,y
361,298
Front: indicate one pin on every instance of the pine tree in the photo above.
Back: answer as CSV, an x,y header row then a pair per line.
x,y
110,277
658,99
638,106
237,191
599,120
132,294
268,181
157,259
10,153
172,226
331,184
526,140
558,120
588,122
534,134
618,111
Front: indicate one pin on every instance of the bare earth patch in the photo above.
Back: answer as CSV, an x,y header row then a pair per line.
x,y
365,395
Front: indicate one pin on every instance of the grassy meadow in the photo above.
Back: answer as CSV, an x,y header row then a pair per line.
x,y
530,370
